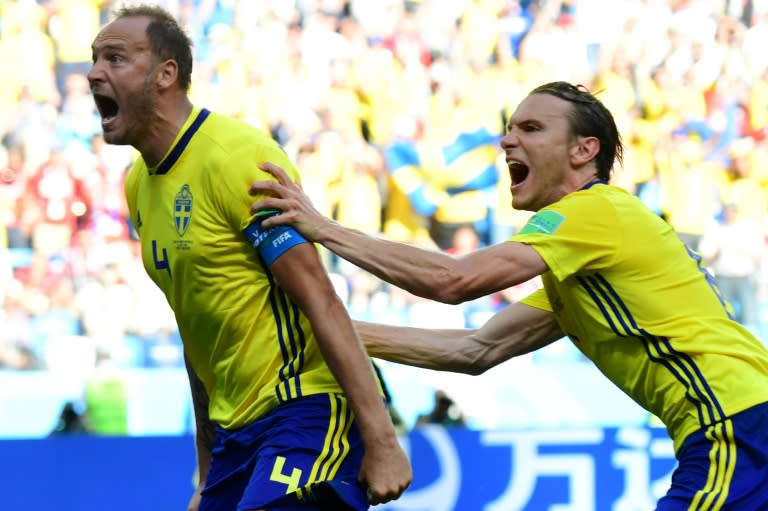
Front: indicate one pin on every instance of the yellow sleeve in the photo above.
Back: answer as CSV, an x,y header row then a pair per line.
x,y
241,169
538,300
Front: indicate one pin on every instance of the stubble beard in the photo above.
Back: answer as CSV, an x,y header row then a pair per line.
x,y
142,107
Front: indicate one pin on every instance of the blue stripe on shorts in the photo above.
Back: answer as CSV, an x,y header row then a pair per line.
x,y
306,451
724,466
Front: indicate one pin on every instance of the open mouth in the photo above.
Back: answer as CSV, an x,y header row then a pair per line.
x,y
518,172
108,108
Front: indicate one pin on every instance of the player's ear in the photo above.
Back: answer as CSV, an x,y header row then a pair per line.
x,y
584,150
167,73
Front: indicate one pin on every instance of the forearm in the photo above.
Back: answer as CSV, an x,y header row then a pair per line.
x,y
517,330
426,273
440,350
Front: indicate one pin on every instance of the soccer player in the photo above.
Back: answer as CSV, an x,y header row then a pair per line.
x,y
617,281
289,412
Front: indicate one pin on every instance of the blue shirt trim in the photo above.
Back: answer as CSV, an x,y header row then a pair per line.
x,y
174,155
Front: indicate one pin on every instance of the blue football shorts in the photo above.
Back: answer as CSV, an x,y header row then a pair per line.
x,y
724,466
305,454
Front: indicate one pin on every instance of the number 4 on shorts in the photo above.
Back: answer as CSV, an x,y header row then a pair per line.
x,y
291,480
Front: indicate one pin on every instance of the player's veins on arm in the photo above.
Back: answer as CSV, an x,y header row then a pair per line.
x,y
205,430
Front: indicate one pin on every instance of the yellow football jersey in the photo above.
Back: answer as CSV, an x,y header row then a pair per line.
x,y
643,308
247,341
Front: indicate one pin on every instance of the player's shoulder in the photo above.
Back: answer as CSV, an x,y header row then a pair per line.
x,y
236,140
601,205
601,197
233,136
231,130
136,170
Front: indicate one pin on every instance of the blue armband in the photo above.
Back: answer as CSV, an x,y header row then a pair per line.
x,y
272,242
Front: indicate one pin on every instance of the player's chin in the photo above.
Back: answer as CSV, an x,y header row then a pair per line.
x,y
523,200
520,203
112,136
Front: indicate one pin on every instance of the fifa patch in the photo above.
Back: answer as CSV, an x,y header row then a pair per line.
x,y
543,222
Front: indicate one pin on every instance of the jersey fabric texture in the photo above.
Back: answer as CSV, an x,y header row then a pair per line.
x,y
247,341
640,304
294,456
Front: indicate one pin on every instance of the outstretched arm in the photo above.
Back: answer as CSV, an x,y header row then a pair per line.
x,y
516,330
426,273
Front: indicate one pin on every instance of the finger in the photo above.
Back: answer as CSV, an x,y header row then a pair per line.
x,y
276,171
370,495
265,203
381,497
263,187
373,499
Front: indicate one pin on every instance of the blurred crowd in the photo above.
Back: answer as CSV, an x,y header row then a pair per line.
x,y
393,110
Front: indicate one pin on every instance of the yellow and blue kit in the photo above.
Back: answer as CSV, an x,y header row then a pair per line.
x,y
642,306
248,342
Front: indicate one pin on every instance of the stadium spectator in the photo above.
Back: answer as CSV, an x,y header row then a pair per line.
x,y
72,24
17,334
106,303
733,248
684,170
274,363
13,186
106,398
78,122
60,203
28,48
617,281
742,184
70,422
359,193
445,412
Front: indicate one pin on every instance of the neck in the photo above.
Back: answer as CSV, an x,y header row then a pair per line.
x,y
586,181
163,131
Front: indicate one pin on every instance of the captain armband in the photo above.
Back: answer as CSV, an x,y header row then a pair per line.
x,y
272,242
